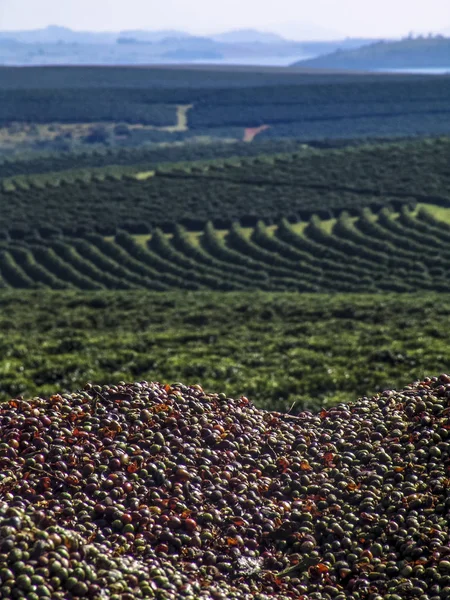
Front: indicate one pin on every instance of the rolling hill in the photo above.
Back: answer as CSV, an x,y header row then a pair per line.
x,y
403,54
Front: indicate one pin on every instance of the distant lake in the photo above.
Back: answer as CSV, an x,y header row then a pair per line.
x,y
430,71
256,61
287,61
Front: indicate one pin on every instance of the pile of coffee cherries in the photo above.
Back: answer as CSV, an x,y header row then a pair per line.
x,y
146,490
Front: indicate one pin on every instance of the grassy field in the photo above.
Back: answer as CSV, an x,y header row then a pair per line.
x,y
442,213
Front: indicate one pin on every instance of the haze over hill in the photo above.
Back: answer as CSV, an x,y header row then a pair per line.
x,y
61,45
409,53
56,34
56,44
240,36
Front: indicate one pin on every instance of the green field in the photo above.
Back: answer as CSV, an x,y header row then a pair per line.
x,y
76,109
122,263
275,348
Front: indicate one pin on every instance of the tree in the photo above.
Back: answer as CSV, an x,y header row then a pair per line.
x,y
97,135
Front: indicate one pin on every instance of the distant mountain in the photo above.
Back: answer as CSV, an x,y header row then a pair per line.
x,y
248,36
430,52
54,34
6,41
60,45
154,36
320,48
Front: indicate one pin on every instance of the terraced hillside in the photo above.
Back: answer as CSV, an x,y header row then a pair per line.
x,y
400,252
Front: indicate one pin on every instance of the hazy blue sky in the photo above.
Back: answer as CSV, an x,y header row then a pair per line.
x,y
289,17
